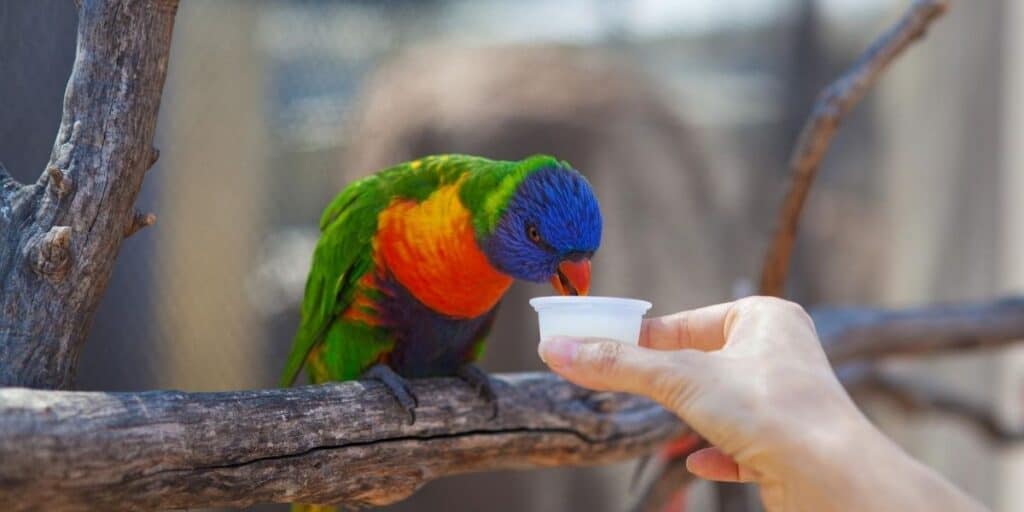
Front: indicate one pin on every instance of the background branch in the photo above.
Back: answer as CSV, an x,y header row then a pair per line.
x,y
60,235
338,443
829,110
865,334
917,396
831,106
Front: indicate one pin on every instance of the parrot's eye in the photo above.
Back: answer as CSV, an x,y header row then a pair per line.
x,y
531,231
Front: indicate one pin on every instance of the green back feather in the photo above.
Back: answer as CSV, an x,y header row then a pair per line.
x,y
342,256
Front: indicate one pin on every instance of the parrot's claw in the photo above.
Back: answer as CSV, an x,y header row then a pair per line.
x,y
398,386
478,379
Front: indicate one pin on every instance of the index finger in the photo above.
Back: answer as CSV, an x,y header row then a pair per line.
x,y
701,329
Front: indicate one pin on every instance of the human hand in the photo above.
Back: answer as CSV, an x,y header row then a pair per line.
x,y
751,377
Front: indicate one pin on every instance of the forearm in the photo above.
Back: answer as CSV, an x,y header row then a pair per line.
x,y
868,471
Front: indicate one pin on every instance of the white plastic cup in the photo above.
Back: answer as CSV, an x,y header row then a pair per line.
x,y
590,317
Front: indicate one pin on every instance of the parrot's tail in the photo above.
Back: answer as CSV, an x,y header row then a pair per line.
x,y
305,507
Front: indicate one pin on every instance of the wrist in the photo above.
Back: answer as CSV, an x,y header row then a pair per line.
x,y
832,462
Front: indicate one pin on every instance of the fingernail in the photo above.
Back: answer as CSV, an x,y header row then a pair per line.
x,y
558,352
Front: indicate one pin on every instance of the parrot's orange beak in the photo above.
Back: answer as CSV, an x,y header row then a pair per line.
x,y
572,277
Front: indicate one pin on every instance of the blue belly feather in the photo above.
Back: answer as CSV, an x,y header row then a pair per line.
x,y
427,344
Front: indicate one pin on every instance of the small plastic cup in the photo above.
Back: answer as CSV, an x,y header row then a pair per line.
x,y
590,317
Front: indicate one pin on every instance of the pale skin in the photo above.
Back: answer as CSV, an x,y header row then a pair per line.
x,y
751,377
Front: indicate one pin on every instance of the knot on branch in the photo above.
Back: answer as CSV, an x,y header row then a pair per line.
x,y
60,183
154,155
49,254
138,221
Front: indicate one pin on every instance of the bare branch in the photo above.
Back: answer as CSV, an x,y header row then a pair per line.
x,y
58,248
865,334
344,443
831,107
921,397
829,110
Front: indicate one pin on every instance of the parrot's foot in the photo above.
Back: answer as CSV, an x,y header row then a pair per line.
x,y
478,379
398,386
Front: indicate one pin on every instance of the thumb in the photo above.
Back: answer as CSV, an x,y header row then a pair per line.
x,y
608,365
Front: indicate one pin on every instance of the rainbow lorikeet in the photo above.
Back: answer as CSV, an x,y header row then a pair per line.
x,y
413,261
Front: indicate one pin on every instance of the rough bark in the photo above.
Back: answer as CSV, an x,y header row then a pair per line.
x,y
59,236
342,443
348,443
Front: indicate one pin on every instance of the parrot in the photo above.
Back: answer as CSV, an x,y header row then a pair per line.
x,y
412,262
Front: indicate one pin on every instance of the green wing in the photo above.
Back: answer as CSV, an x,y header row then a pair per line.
x,y
343,255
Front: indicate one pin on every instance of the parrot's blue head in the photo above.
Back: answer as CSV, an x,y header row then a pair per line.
x,y
549,229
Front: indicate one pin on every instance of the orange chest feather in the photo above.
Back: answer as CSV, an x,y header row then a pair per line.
x,y
430,248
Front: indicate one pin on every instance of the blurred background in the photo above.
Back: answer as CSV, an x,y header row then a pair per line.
x,y
681,113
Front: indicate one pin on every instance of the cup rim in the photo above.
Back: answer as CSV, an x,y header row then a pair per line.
x,y
557,301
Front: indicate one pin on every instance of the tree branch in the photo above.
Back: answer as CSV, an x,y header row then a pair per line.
x,y
61,234
344,443
348,442
920,397
829,110
866,334
832,105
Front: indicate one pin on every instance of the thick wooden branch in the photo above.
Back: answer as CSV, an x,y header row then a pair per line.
x,y
348,443
864,334
832,105
339,443
59,236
